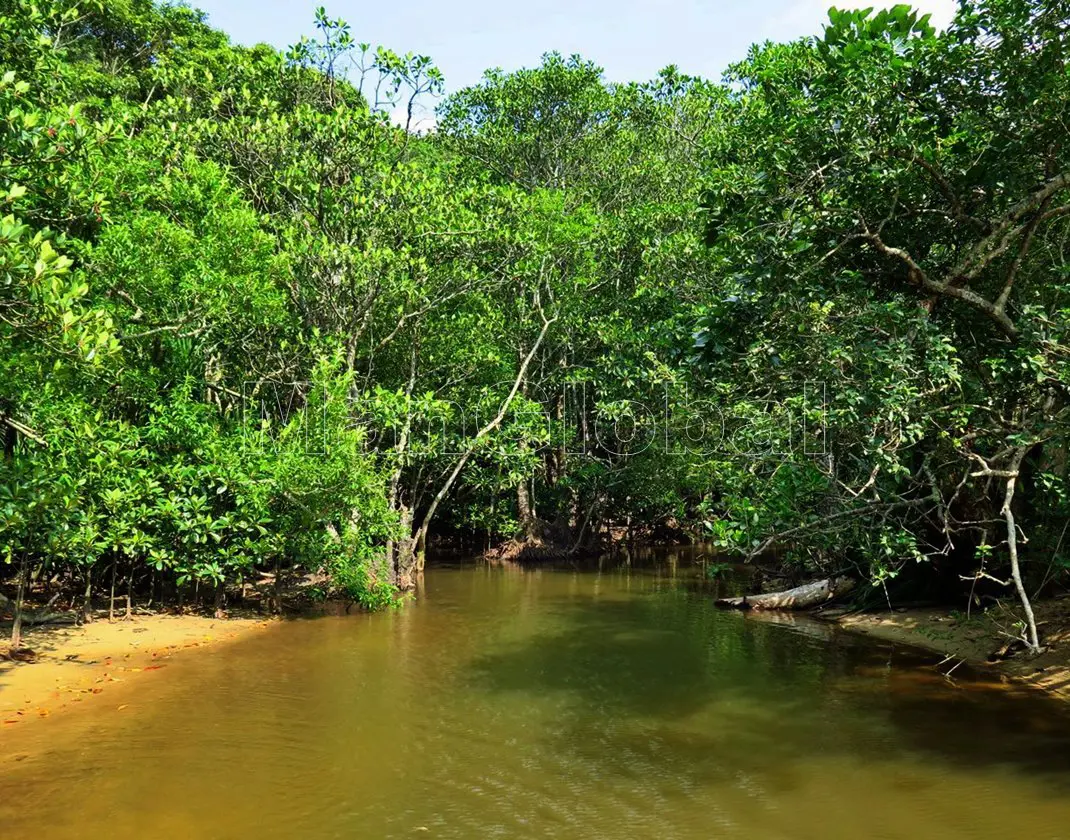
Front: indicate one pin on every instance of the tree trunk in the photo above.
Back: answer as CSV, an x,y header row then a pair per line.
x,y
405,550
420,552
1033,639
87,600
800,598
111,603
16,626
220,597
555,458
524,511
278,584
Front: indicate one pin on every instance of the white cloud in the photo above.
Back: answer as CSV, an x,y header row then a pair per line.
x,y
806,17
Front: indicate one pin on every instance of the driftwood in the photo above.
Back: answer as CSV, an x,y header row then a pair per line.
x,y
800,598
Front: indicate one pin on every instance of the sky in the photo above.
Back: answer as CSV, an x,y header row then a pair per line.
x,y
631,39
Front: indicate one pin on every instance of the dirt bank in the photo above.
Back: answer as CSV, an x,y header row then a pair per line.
x,y
980,638
100,663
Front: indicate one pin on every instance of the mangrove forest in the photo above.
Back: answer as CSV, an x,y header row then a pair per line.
x,y
814,314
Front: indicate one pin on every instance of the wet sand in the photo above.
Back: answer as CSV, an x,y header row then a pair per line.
x,y
99,665
977,637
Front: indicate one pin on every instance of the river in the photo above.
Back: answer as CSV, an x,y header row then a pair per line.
x,y
610,702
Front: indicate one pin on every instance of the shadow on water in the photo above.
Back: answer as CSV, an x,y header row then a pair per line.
x,y
664,681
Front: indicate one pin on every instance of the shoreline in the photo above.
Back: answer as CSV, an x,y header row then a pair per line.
x,y
98,664
974,639
85,666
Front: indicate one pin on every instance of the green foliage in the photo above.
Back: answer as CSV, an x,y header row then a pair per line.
x,y
251,327
129,438
883,230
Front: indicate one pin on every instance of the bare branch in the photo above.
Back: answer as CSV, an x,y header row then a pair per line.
x,y
918,277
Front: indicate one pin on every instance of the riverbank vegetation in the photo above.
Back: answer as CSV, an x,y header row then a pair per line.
x,y
253,327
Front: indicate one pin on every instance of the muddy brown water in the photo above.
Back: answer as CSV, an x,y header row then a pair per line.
x,y
609,702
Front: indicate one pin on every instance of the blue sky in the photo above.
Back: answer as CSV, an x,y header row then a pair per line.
x,y
631,39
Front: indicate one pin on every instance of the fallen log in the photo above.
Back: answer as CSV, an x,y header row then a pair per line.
x,y
800,598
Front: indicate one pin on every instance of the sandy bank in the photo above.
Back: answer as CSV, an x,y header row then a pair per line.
x,y
101,662
979,638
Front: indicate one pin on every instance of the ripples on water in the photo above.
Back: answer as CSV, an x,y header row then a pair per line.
x,y
613,703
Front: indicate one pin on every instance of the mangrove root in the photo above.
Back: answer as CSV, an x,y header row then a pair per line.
x,y
34,619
